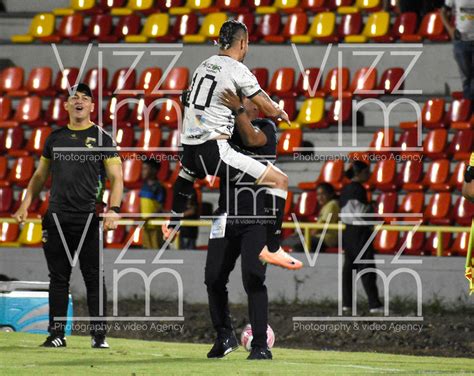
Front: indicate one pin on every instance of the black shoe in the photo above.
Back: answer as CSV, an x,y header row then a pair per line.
x,y
98,342
260,353
54,341
222,347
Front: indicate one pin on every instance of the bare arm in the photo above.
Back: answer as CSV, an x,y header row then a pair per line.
x,y
35,186
269,107
445,17
468,190
114,173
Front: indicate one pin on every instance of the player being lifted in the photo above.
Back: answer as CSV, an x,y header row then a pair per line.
x,y
208,125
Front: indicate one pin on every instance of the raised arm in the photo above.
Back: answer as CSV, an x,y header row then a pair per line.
x,y
269,107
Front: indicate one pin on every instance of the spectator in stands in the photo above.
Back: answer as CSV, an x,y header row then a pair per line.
x,y
152,197
329,212
420,7
188,234
354,204
463,39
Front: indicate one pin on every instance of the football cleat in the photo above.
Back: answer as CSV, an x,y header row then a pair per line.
x,y
260,353
222,347
98,342
280,258
54,341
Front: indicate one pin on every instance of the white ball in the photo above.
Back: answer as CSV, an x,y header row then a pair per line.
x,y
247,336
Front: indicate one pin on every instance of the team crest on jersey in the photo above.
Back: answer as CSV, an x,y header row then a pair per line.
x,y
89,142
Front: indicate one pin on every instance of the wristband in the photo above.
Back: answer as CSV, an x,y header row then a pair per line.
x,y
115,209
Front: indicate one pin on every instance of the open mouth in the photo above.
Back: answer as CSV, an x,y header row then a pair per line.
x,y
78,108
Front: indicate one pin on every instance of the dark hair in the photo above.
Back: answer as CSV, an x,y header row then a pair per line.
x,y
152,163
229,32
327,188
356,168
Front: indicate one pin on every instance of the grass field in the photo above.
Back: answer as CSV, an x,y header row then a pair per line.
x,y
20,355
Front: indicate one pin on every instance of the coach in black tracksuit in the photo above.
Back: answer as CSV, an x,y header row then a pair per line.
x,y
71,223
240,206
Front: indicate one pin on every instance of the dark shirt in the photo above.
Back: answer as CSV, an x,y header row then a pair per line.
x,y
245,198
78,176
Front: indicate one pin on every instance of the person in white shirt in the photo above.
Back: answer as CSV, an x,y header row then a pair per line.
x,y
463,40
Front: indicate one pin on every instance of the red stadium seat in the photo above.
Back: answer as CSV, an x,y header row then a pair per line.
x,y
99,28
334,78
269,25
351,24
116,112
431,28
60,85
306,205
312,6
233,6
92,79
149,139
185,24
289,106
438,173
11,139
248,19
3,169
70,27
132,173
414,243
170,114
28,112
136,234
125,138
11,79
6,200
340,110
37,139
141,113
385,242
332,172
289,140
122,82
383,176
407,141
131,202
390,79
363,82
262,77
252,4
22,171
165,6
296,24
56,113
282,81
431,244
127,25
405,24
382,141
432,115
460,245
459,114
455,181
5,108
39,81
463,212
434,145
306,84
106,5
460,146
148,80
411,173
115,239
9,232
412,203
386,205
438,210
176,80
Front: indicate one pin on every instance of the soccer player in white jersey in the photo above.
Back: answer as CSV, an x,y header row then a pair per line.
x,y
208,125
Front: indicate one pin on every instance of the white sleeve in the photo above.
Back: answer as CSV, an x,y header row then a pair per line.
x,y
246,81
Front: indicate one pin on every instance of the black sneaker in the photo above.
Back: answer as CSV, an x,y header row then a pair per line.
x,y
260,353
222,347
98,342
54,341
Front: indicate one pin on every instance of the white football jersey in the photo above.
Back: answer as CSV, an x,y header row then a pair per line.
x,y
205,117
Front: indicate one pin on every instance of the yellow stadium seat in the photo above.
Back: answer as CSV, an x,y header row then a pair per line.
x,y
377,25
30,234
209,29
190,6
323,26
155,26
76,6
132,6
311,112
358,6
42,25
278,4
